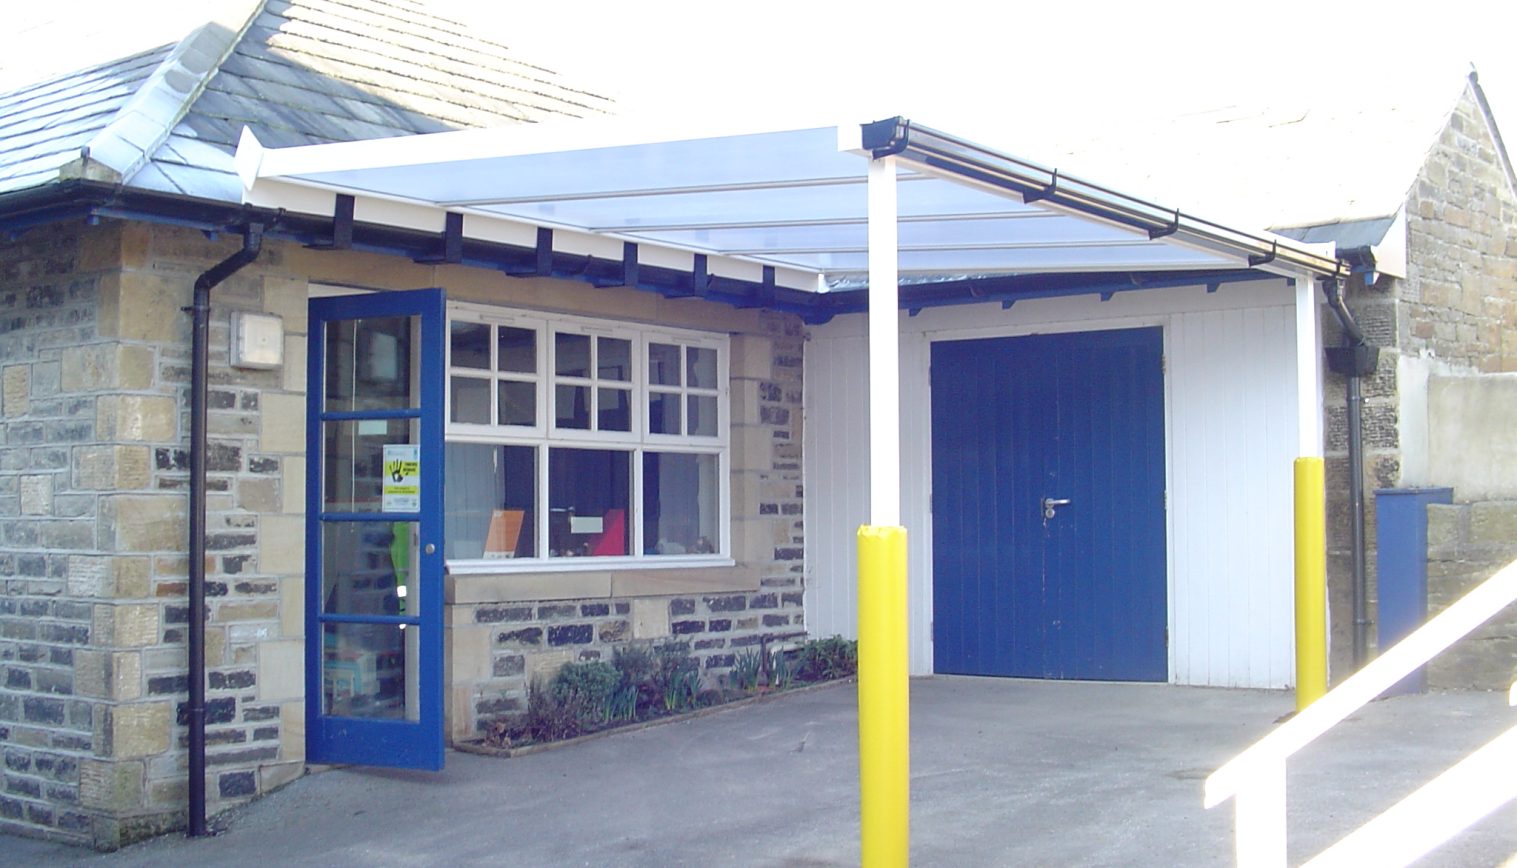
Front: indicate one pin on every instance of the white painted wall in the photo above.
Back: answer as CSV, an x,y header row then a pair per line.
x,y
1231,421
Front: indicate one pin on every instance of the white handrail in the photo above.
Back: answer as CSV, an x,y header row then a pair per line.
x,y
1256,776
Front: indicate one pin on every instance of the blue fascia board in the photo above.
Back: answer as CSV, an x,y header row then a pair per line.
x,y
85,200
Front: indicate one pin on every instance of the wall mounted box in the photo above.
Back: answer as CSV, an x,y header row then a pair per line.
x,y
257,340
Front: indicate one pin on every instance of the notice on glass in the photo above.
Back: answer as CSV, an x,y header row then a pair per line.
x,y
402,479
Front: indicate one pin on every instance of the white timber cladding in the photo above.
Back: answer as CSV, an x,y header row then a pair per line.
x,y
1231,433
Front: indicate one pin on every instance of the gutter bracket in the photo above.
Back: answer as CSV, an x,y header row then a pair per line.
x,y
1257,259
1167,229
1047,192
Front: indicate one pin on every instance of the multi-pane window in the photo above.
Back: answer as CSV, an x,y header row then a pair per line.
x,y
576,438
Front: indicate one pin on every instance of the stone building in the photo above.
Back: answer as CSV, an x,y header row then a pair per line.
x,y
648,445
113,182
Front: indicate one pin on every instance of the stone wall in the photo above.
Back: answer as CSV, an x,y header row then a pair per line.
x,y
93,622
499,649
1456,311
1467,543
94,375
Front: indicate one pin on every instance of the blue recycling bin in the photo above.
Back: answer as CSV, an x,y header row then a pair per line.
x,y
1401,574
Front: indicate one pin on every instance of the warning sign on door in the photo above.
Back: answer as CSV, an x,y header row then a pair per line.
x,y
402,478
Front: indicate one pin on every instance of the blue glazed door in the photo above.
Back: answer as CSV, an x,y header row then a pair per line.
x,y
1048,506
374,530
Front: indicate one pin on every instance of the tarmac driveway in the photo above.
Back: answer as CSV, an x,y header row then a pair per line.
x,y
1004,772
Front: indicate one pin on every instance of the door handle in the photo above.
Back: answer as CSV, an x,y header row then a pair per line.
x,y
1051,505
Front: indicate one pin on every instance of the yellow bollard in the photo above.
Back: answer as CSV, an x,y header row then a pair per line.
x,y
1311,583
884,693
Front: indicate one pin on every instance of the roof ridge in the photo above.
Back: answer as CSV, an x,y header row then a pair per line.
x,y
145,120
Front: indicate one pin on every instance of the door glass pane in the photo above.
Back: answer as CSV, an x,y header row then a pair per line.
x,y
469,400
663,364
368,364
571,355
492,491
354,465
702,415
365,669
518,403
701,364
613,359
571,406
679,504
615,410
518,350
590,500
368,568
663,412
470,344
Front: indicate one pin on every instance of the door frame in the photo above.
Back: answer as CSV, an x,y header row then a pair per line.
x,y
415,744
925,589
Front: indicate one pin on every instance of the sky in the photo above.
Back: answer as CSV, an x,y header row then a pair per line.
x,y
1021,77
952,63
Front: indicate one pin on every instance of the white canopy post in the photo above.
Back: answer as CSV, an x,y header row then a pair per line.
x,y
1308,368
884,349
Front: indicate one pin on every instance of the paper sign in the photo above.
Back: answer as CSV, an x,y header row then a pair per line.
x,y
402,478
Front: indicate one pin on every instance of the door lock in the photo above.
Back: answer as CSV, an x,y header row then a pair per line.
x,y
1051,505
430,548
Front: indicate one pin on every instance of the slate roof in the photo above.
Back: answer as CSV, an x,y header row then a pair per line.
x,y
295,71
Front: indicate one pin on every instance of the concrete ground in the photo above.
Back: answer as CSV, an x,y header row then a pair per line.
x,y
1004,772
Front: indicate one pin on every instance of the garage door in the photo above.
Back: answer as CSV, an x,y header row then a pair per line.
x,y
1048,506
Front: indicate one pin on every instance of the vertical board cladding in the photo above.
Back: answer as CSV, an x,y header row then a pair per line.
x,y
1232,441
1231,424
837,478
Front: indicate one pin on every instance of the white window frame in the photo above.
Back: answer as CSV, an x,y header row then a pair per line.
x,y
546,434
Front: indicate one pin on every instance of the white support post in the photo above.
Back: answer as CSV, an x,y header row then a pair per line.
x,y
1308,369
884,349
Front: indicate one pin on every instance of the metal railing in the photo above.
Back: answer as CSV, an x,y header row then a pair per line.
x,y
1255,778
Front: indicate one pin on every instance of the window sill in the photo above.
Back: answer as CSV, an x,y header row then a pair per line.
x,y
544,582
511,566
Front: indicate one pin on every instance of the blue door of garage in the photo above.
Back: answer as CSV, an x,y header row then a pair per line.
x,y
1048,506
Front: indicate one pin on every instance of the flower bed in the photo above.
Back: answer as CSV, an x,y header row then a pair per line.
x,y
643,684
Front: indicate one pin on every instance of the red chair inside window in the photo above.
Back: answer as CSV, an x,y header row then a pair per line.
x,y
613,540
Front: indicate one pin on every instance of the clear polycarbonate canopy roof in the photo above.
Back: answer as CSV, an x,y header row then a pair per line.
x,y
794,200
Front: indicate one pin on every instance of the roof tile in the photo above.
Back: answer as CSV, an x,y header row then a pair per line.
x,y
302,72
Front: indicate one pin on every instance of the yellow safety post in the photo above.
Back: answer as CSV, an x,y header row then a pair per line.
x,y
884,693
1311,583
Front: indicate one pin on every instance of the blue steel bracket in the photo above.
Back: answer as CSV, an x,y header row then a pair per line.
x,y
700,277
342,226
452,242
542,257
762,295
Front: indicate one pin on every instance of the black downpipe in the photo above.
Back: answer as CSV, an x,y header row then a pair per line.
x,y
200,308
1355,359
